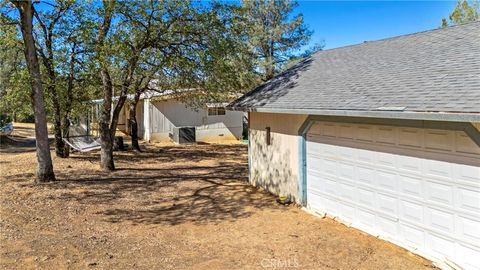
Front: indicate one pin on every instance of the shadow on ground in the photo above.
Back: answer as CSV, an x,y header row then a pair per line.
x,y
168,185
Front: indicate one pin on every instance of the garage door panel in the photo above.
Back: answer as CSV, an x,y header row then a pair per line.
x,y
343,153
469,228
410,137
366,219
386,180
330,186
365,156
440,193
347,212
385,159
469,199
366,197
441,245
419,187
411,186
385,135
319,184
408,164
329,166
316,164
346,191
410,211
365,133
440,140
469,256
440,220
463,144
468,174
327,130
346,131
438,169
413,236
387,203
388,226
329,206
346,171
366,175
319,150
317,203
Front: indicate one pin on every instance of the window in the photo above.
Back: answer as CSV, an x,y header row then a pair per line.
x,y
216,111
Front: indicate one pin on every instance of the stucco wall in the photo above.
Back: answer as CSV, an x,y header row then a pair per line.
x,y
275,166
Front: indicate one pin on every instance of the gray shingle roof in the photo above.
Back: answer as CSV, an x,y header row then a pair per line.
x,y
427,72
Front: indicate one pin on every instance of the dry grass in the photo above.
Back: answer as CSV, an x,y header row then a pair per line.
x,y
171,207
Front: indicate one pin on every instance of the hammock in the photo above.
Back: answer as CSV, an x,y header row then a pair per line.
x,y
83,143
7,129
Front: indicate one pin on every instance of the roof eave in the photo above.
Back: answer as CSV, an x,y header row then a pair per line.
x,y
411,115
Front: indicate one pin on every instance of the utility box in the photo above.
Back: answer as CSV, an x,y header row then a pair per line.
x,y
183,135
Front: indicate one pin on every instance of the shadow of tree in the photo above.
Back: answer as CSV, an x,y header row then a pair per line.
x,y
164,188
15,144
174,153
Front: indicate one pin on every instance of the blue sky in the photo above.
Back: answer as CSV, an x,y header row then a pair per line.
x,y
341,23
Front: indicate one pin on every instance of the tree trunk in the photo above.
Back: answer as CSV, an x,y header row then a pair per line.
x,y
69,99
106,136
270,72
106,151
66,130
51,85
133,122
57,124
44,160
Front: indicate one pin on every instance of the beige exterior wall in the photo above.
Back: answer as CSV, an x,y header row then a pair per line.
x,y
274,167
477,125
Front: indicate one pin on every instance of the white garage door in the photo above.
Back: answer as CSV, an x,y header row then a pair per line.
x,y
419,188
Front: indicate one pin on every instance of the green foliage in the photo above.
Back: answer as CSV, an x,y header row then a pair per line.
x,y
5,119
220,49
463,12
65,23
275,33
14,83
307,53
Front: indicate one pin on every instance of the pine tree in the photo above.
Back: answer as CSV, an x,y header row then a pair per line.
x,y
274,34
463,12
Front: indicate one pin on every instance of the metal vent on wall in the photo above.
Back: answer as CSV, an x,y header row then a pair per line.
x,y
183,135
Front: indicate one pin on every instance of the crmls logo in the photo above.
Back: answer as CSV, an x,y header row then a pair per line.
x,y
280,263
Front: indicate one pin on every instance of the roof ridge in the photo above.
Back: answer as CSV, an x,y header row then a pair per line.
x,y
396,37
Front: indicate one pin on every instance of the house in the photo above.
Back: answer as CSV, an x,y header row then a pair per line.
x,y
161,115
384,136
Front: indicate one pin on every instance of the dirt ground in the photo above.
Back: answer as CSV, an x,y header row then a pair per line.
x,y
170,207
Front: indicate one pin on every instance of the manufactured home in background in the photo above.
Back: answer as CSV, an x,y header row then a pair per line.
x,y
163,117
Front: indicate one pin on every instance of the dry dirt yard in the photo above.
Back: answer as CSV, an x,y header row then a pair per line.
x,y
170,207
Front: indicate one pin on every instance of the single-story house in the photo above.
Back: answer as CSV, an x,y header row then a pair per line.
x,y
161,115
384,136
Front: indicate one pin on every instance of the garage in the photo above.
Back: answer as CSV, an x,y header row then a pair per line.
x,y
417,187
383,136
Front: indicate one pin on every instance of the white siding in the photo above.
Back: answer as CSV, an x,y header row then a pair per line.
x,y
417,187
165,115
